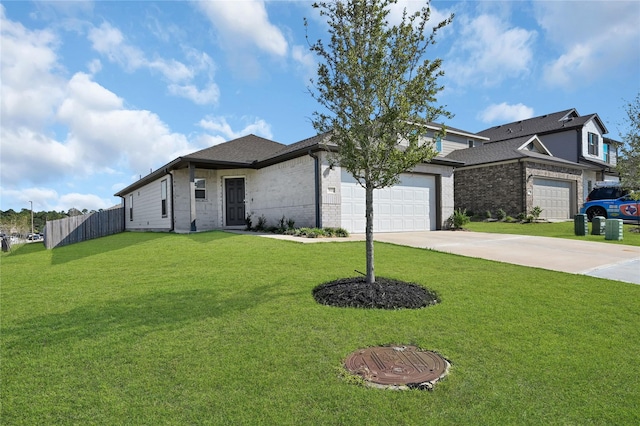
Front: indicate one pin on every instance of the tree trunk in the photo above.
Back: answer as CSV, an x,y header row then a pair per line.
x,y
371,276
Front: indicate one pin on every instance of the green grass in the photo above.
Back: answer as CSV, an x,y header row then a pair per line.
x,y
553,229
216,328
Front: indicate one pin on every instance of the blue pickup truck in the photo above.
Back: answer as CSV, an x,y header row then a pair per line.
x,y
625,208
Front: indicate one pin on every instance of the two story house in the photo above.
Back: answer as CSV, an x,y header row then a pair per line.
x,y
568,135
551,161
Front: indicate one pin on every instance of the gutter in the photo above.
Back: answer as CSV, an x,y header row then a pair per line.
x,y
316,174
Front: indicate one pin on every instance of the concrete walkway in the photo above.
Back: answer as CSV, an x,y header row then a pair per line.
x,y
611,261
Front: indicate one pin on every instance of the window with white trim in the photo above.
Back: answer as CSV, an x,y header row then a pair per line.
x,y
201,191
593,141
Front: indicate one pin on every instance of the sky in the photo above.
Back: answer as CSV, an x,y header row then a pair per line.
x,y
96,94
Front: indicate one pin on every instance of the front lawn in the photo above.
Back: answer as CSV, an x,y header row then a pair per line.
x,y
218,328
553,229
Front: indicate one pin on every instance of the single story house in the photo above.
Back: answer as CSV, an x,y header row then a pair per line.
x,y
218,187
516,175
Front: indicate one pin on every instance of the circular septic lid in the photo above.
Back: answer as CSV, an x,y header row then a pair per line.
x,y
398,367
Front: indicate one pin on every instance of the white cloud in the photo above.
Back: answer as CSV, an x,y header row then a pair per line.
x,y
595,39
83,201
505,113
110,42
242,23
305,59
103,133
30,88
222,128
489,51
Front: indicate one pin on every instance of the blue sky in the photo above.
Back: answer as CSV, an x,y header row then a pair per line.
x,y
96,93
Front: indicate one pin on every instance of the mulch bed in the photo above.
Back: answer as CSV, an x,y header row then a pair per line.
x,y
386,293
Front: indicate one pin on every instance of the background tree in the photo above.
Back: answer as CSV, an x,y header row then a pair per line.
x,y
629,160
628,164
377,91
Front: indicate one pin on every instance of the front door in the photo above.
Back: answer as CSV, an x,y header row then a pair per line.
x,y
234,196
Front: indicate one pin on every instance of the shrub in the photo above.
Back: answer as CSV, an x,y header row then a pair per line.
x,y
291,224
248,223
262,223
459,218
282,225
535,212
502,215
487,214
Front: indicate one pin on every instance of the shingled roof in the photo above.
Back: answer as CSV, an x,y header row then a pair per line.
x,y
511,149
247,149
548,123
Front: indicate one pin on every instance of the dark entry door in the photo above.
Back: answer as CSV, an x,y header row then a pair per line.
x,y
234,190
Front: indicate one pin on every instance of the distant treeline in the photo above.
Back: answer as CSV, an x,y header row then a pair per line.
x,y
19,223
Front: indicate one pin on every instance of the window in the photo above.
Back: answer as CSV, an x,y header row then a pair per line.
x,y
470,142
163,197
438,143
605,152
131,207
201,193
593,143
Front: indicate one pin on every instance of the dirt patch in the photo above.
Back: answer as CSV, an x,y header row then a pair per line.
x,y
386,293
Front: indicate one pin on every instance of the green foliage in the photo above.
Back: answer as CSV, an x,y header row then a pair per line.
x,y
262,223
536,212
459,219
502,215
12,222
628,164
248,222
376,90
488,214
552,229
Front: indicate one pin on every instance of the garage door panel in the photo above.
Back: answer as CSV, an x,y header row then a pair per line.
x,y
553,197
408,206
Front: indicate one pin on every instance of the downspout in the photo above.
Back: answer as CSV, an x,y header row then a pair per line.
x,y
173,216
524,181
192,198
124,215
316,174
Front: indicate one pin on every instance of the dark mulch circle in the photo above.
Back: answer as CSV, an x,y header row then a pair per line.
x,y
386,293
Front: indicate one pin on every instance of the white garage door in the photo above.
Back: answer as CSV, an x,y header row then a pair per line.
x,y
408,206
553,197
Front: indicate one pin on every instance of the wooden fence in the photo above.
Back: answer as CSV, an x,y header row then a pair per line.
x,y
75,229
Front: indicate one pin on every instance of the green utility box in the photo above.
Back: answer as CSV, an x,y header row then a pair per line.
x,y
613,229
580,224
598,224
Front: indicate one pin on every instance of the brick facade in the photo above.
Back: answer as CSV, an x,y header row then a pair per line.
x,y
509,186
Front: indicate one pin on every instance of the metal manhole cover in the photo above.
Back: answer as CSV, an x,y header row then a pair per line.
x,y
398,367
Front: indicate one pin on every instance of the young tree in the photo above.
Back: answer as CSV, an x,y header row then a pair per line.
x,y
376,89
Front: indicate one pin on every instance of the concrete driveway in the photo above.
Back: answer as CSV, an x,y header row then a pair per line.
x,y
611,261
